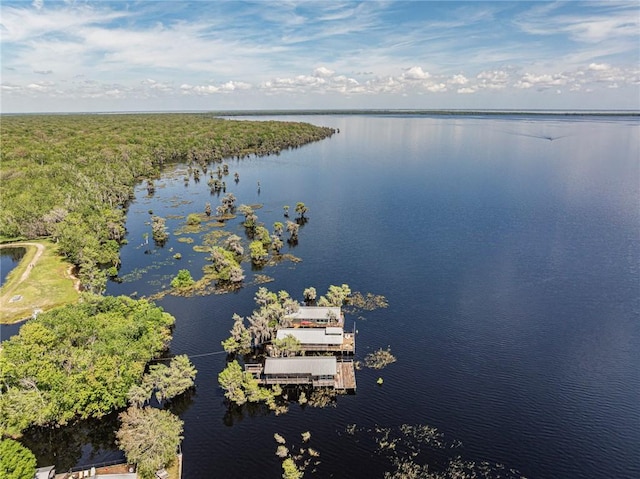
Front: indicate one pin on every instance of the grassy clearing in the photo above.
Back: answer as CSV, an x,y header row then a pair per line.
x,y
49,283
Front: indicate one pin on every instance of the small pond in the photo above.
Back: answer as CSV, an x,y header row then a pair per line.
x,y
9,258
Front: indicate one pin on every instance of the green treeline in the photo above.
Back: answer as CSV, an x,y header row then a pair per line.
x,y
70,176
78,361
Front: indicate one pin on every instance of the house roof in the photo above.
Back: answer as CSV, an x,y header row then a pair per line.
x,y
328,336
315,312
44,472
314,366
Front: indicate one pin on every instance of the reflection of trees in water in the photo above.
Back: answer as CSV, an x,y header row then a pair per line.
x,y
179,405
15,254
64,447
95,438
291,395
236,413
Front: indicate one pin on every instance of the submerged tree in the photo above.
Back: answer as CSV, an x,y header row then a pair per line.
x,y
295,460
241,387
276,243
336,296
301,209
159,230
259,254
250,218
240,339
262,234
310,295
292,229
167,382
225,266
233,243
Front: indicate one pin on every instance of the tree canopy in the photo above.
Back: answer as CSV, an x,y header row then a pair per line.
x,y
149,438
78,361
165,381
16,461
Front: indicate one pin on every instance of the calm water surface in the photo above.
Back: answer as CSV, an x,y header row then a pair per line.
x,y
508,250
9,259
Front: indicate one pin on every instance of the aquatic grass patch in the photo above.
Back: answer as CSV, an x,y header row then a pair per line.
x,y
138,273
422,451
262,279
189,229
366,302
379,359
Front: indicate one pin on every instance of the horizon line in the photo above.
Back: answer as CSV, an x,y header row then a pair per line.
x,y
351,111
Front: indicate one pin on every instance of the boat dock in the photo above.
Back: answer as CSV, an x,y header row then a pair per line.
x,y
346,376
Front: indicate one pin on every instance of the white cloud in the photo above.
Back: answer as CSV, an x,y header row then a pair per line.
x,y
530,80
416,73
109,50
437,88
459,80
323,72
493,80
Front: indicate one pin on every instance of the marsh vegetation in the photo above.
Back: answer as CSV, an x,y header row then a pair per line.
x,y
70,177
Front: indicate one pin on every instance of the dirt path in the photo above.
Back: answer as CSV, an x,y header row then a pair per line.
x,y
27,272
43,280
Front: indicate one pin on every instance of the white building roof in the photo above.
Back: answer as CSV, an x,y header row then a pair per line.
x,y
328,336
45,472
316,313
314,366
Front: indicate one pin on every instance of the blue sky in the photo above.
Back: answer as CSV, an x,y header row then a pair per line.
x,y
174,55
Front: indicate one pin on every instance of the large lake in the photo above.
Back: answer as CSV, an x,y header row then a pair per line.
x,y
508,249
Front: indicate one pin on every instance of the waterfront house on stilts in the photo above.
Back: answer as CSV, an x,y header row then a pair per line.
x,y
327,352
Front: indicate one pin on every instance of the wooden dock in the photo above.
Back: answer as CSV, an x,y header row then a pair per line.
x,y
346,376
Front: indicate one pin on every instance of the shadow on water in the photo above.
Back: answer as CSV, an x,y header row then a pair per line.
x,y
82,443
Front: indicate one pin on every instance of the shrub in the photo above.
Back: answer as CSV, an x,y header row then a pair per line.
x,y
182,280
193,219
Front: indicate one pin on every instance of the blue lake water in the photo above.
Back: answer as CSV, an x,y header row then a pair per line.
x,y
508,249
9,259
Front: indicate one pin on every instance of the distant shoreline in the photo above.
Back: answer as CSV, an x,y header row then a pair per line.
x,y
364,112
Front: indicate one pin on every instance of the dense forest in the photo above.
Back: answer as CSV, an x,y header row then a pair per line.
x,y
78,361
70,177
